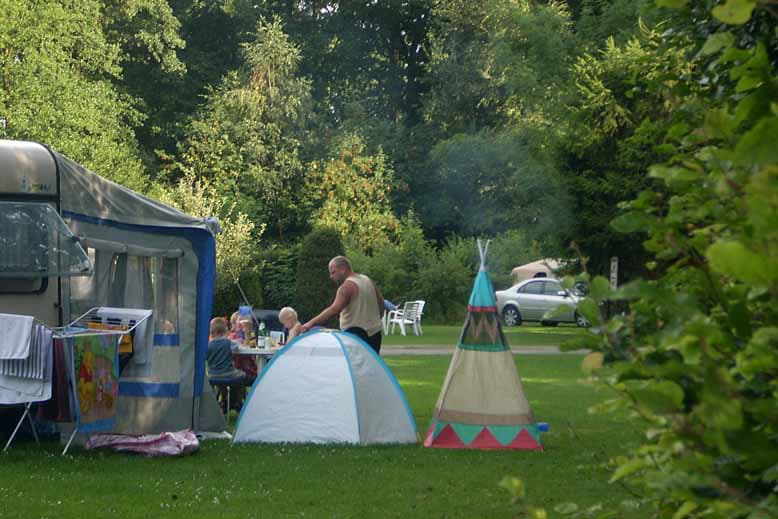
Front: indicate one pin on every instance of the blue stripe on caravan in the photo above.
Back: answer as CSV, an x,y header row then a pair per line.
x,y
148,389
166,339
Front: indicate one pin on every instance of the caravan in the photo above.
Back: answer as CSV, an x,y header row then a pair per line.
x,y
71,241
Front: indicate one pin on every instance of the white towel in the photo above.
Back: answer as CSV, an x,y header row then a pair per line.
x,y
16,390
15,336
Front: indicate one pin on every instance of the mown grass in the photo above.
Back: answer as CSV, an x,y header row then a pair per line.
x,y
448,336
222,480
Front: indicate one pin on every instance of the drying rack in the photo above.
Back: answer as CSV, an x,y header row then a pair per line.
x,y
124,320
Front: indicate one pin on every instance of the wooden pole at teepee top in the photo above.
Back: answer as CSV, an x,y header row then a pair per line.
x,y
482,251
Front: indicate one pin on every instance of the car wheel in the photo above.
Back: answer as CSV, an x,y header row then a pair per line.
x,y
581,321
511,316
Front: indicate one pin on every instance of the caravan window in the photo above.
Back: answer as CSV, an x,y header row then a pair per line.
x,y
35,243
23,286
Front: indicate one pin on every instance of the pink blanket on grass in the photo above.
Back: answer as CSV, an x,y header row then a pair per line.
x,y
176,443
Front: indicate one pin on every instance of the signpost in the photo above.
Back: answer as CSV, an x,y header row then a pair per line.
x,y
614,272
614,280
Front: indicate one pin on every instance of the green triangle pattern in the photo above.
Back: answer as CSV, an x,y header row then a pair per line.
x,y
438,427
505,433
467,432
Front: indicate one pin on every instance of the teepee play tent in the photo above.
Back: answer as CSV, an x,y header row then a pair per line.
x,y
326,387
482,403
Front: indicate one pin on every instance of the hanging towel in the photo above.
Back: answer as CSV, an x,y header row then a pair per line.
x,y
15,336
33,366
59,408
18,390
96,380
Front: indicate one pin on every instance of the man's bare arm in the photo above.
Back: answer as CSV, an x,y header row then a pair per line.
x,y
342,298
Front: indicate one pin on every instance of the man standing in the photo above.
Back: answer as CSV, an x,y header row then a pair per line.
x,y
358,301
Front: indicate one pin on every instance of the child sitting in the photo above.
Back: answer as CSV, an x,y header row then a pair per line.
x,y
247,329
247,363
288,317
236,334
219,359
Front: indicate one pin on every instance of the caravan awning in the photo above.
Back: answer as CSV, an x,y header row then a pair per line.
x,y
35,242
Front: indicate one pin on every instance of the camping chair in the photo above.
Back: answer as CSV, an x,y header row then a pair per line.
x,y
224,384
410,314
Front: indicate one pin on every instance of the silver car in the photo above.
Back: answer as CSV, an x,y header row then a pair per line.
x,y
531,299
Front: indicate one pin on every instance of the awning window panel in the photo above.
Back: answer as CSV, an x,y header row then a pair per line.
x,y
35,242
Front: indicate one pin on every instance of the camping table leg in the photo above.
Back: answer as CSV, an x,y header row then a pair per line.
x,y
27,414
73,435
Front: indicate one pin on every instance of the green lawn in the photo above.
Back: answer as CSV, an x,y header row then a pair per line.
x,y
448,335
228,481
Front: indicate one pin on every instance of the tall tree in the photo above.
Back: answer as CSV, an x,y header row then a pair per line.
x,y
58,71
354,188
487,183
615,125
247,138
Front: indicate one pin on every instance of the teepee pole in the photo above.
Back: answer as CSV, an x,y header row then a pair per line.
x,y
482,251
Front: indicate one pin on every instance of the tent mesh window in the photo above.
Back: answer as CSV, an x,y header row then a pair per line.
x,y
164,280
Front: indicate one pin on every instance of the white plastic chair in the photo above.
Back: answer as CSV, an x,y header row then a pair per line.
x,y
410,314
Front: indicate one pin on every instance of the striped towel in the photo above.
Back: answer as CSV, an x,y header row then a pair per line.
x,y
33,366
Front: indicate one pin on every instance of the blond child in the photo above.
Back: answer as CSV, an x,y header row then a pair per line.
x,y
288,317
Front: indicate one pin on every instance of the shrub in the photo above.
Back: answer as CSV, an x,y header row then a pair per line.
x,y
228,298
313,287
446,279
278,271
697,359
395,267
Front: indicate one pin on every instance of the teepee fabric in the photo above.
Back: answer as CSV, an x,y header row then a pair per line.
x,y
326,387
482,404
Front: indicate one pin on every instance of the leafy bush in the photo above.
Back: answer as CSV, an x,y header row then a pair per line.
x,y
278,270
228,298
446,279
313,287
697,358
395,267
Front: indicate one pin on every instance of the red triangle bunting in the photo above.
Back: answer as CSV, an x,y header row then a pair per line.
x,y
448,439
486,440
525,441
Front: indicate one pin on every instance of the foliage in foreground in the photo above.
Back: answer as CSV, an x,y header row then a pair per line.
x,y
697,357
